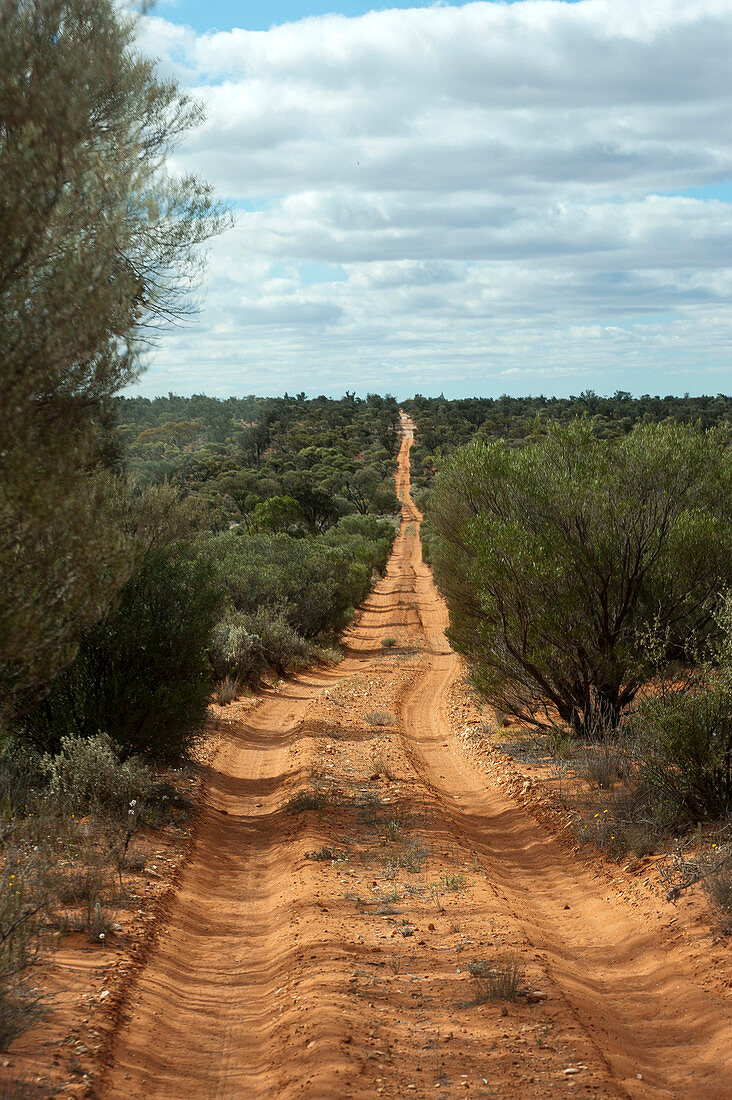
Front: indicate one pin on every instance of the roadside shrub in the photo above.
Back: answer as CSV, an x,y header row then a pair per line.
x,y
556,557
282,645
87,776
683,752
26,897
142,674
236,651
368,539
380,718
602,766
718,889
313,799
313,586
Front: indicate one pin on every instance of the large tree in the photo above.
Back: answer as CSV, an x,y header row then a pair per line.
x,y
558,559
97,244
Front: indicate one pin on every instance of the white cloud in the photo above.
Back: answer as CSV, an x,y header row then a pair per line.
x,y
499,185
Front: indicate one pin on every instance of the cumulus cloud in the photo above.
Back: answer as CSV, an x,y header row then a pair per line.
x,y
497,192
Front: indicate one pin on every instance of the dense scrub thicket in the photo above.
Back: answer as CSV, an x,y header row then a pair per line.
x,y
332,458
444,425
237,560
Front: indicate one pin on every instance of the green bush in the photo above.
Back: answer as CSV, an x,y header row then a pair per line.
x,y
281,644
87,776
314,586
236,651
683,751
142,675
368,539
557,557
26,898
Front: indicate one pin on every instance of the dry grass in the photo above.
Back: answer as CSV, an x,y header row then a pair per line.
x,y
498,979
227,690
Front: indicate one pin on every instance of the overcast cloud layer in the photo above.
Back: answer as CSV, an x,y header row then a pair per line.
x,y
485,199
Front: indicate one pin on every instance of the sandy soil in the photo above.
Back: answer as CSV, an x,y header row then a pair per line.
x,y
330,946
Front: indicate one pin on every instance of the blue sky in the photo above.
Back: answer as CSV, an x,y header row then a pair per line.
x,y
222,15
471,198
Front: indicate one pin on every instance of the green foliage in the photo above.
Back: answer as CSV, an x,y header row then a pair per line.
x,y
367,539
141,675
284,594
556,558
87,776
311,585
278,514
62,560
332,458
443,426
683,751
96,242
236,651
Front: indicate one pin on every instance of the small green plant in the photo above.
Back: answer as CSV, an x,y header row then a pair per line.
x,y
385,910
325,853
313,799
497,979
388,643
411,859
452,884
380,718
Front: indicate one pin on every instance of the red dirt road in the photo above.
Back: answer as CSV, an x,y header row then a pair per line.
x,y
351,974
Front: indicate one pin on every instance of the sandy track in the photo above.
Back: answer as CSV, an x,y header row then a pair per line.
x,y
259,984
